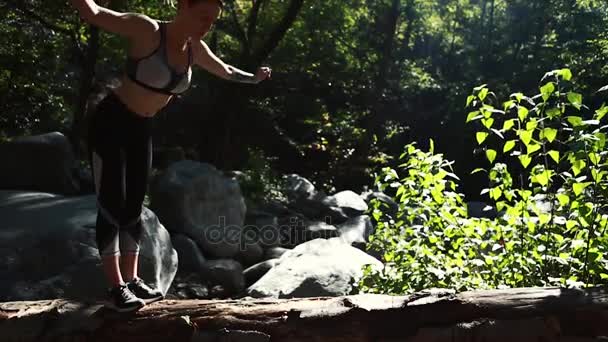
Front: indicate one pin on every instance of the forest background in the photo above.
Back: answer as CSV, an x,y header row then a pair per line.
x,y
353,81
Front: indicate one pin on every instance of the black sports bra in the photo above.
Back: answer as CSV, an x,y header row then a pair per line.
x,y
154,72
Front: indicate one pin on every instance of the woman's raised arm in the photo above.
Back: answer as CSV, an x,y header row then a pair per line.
x,y
130,25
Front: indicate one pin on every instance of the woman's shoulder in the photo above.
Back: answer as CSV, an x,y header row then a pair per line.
x,y
149,28
152,23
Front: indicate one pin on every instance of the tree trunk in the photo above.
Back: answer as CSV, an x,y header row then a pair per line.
x,y
386,49
276,34
410,16
386,21
228,131
481,28
522,314
490,38
84,90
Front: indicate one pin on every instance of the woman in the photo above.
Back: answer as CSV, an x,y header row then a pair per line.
x,y
158,67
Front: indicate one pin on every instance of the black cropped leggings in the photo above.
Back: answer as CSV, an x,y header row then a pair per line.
x,y
120,152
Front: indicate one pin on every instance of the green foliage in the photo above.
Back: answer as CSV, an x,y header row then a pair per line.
x,y
552,203
31,97
337,139
340,57
259,182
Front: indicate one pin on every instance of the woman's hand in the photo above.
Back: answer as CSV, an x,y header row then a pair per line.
x,y
263,73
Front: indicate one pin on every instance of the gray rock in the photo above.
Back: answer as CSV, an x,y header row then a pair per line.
x,y
351,203
255,216
250,253
316,268
238,175
334,209
257,271
292,230
220,292
189,254
38,163
388,205
84,177
320,230
356,231
296,230
274,207
197,200
316,205
188,287
192,291
275,252
51,248
262,228
481,210
224,272
310,207
297,187
198,291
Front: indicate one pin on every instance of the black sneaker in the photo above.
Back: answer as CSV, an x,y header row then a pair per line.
x,y
123,300
144,292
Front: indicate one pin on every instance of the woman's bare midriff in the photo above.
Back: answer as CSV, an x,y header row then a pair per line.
x,y
140,100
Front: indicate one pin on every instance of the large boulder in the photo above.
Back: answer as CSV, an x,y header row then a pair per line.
x,y
257,271
197,200
262,228
189,254
319,230
48,248
250,253
296,186
351,203
189,286
225,272
42,163
316,268
335,209
356,231
271,207
387,203
297,229
275,252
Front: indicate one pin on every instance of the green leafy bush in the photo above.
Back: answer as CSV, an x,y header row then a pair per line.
x,y
548,179
259,181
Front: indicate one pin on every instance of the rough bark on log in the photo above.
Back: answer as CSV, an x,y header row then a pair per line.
x,y
525,314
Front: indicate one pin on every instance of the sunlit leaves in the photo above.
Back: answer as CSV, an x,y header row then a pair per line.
x,y
483,93
474,116
548,133
522,113
508,124
525,160
491,155
547,90
575,121
575,99
525,136
554,155
579,187
509,145
481,137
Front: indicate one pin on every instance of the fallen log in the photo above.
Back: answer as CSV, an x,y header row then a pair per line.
x,y
524,314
